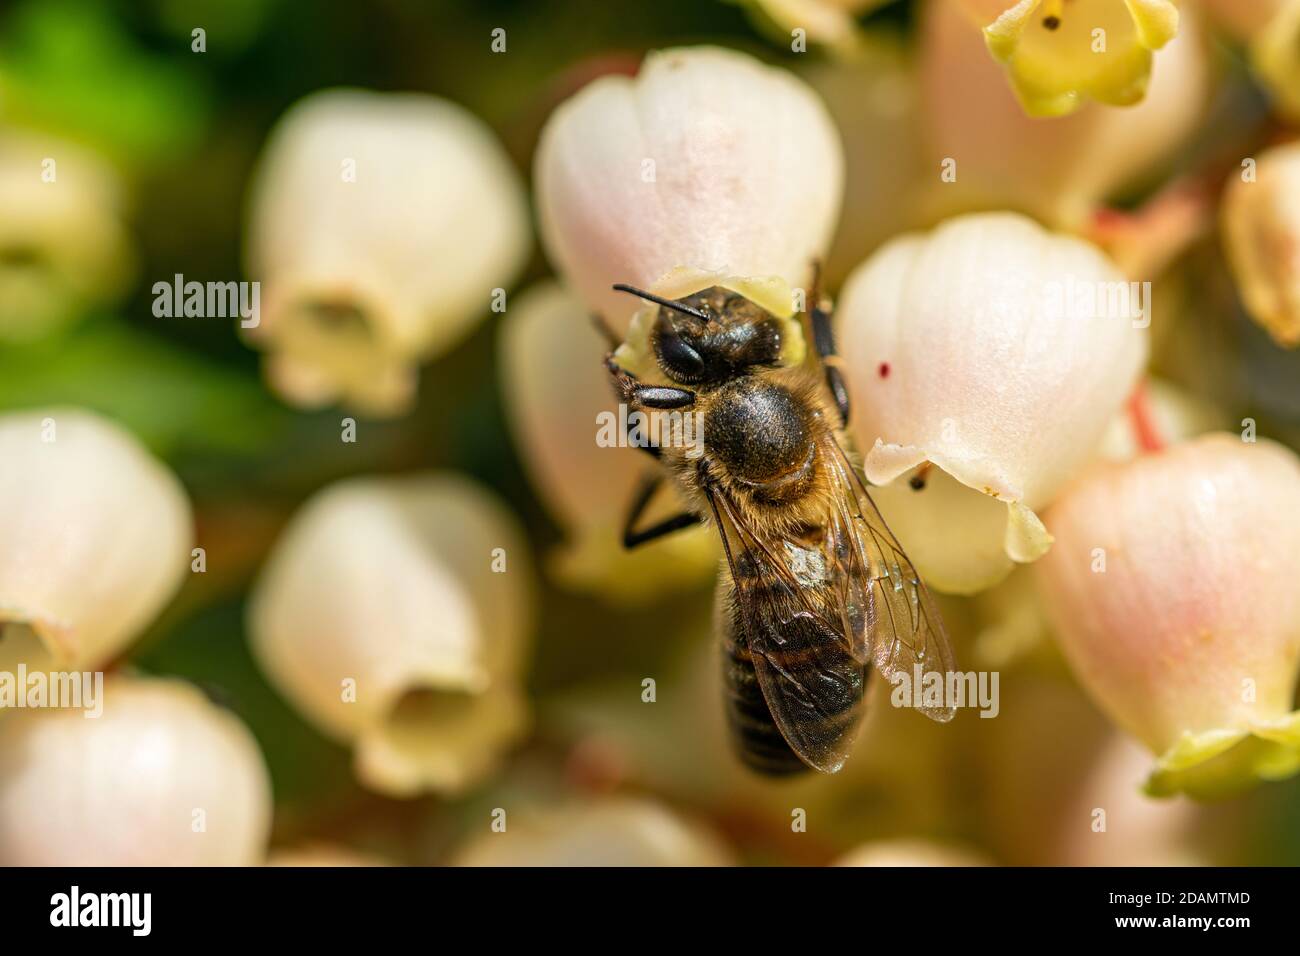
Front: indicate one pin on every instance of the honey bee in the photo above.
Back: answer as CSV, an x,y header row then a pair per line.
x,y
816,589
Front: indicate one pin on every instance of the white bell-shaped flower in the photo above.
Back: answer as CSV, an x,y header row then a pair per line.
x,y
707,164
997,352
96,538
393,614
161,777
381,227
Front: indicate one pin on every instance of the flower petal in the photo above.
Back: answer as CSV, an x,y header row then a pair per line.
x,y
707,160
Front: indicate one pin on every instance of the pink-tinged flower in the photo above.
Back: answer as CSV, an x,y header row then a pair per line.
x,y
95,537
1261,228
380,225
996,352
1058,171
394,614
1172,590
707,164
1060,52
162,777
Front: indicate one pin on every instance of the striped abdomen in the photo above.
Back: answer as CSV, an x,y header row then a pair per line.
x,y
830,682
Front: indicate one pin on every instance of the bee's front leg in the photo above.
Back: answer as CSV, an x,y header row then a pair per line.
x,y
629,389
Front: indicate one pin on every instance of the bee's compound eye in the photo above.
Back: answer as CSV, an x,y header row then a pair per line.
x,y
678,358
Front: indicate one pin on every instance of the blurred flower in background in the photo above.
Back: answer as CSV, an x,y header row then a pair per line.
x,y
161,778
97,537
909,853
395,614
383,226
1261,227
63,238
612,832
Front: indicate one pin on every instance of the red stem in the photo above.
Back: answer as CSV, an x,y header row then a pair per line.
x,y
1140,417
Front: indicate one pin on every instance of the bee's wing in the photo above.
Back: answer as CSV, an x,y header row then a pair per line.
x,y
812,685
884,606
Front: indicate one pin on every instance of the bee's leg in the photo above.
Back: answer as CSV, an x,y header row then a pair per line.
x,y
646,396
819,317
632,539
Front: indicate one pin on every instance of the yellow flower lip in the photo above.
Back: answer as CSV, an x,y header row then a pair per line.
x,y
1059,55
1221,762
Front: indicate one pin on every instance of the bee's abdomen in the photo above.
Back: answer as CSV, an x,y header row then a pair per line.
x,y
822,685
759,743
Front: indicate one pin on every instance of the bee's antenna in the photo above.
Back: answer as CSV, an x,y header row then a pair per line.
x,y
666,303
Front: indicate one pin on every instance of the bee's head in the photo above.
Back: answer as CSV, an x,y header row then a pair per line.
x,y
711,336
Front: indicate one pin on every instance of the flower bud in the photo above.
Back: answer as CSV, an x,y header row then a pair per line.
x,y
1059,171
162,777
559,402
1173,596
615,831
393,614
998,352
97,537
1261,226
380,225
63,242
707,163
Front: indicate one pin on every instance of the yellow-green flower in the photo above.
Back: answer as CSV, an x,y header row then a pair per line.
x,y
1059,52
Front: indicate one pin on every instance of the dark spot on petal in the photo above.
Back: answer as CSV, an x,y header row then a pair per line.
x,y
1051,22
917,482
884,370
